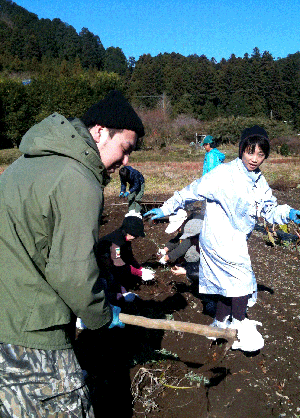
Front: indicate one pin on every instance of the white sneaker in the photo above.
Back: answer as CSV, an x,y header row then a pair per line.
x,y
252,300
249,339
220,324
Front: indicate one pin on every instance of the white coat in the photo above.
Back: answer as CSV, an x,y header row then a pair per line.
x,y
235,199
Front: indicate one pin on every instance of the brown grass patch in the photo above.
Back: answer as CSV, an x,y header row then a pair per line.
x,y
163,176
282,173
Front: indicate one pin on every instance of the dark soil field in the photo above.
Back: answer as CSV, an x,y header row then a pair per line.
x,y
138,372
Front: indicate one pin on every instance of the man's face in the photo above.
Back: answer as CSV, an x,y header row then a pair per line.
x,y
114,151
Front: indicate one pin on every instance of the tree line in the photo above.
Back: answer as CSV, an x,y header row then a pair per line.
x,y
255,85
68,71
27,41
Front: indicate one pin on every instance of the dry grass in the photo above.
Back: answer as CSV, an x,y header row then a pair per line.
x,y
282,172
8,156
161,177
167,177
171,169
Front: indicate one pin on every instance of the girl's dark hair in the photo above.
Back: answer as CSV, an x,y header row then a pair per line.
x,y
251,142
256,135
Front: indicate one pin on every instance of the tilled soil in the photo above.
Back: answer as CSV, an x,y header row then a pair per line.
x,y
138,372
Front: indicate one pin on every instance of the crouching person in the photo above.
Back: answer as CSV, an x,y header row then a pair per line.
x,y
182,246
115,252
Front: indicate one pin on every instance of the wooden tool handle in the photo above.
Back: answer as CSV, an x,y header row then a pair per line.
x,y
206,330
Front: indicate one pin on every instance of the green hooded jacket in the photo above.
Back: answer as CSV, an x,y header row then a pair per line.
x,y
51,200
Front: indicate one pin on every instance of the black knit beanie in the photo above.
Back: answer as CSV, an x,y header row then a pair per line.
x,y
133,225
115,112
254,131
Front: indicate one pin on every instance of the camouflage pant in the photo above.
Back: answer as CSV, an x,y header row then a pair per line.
x,y
42,384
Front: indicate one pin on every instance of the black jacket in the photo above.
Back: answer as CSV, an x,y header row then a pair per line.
x,y
114,248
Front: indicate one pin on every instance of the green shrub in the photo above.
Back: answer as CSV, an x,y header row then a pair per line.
x,y
284,150
14,112
228,130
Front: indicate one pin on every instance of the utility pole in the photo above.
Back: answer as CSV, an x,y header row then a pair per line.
x,y
163,98
164,102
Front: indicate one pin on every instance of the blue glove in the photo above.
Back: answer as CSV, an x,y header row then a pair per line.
x,y
121,194
294,216
116,321
157,212
126,194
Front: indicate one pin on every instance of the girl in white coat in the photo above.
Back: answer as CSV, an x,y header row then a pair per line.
x,y
236,194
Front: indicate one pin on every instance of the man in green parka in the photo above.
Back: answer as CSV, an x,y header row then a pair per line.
x,y
51,200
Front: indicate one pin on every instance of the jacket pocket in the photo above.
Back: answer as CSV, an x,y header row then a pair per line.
x,y
48,310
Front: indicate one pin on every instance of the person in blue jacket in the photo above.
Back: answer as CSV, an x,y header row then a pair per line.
x,y
213,156
237,194
136,184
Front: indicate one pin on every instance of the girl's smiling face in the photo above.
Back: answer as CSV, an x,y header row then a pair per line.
x,y
253,157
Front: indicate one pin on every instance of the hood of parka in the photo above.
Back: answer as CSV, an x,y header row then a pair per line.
x,y
70,138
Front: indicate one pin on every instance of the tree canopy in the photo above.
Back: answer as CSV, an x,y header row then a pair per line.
x,y
68,70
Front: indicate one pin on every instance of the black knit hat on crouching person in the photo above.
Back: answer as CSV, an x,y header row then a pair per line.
x,y
114,111
133,225
256,133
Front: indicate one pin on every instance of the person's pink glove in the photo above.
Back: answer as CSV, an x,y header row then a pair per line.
x,y
135,271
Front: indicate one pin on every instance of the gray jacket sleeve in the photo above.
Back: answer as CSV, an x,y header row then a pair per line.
x,y
179,250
